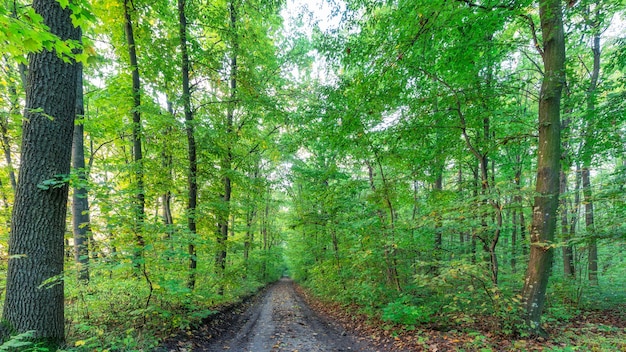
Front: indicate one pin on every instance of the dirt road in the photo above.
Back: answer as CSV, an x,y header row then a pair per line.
x,y
278,320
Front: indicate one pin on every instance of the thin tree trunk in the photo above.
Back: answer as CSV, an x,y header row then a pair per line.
x,y
587,193
548,165
567,251
80,200
4,130
166,197
390,268
192,170
592,267
226,163
249,239
14,109
34,289
575,209
489,243
514,240
6,148
438,187
140,202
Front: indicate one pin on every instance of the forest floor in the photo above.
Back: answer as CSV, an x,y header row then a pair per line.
x,y
283,317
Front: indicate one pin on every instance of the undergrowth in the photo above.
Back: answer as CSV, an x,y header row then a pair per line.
x,y
461,303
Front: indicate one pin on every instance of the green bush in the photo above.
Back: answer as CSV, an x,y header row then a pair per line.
x,y
405,311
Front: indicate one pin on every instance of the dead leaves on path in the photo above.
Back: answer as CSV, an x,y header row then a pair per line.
x,y
590,331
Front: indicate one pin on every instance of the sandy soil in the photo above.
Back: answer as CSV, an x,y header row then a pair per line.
x,y
276,320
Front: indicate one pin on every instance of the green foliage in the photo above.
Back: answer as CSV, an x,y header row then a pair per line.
x,y
353,154
404,311
19,342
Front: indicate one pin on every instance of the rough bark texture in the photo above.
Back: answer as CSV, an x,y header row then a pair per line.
x,y
192,170
80,202
548,165
38,223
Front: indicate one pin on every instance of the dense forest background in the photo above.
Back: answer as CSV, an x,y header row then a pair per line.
x,y
384,154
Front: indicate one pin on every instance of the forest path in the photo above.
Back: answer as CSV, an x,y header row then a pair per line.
x,y
277,320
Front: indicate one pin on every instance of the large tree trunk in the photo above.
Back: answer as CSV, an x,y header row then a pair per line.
x,y
140,202
548,165
80,201
192,169
34,290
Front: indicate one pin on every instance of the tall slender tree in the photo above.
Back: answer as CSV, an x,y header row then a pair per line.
x,y
192,168
140,200
80,201
588,135
548,160
227,157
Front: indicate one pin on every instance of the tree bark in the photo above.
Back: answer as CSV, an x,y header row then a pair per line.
x,y
34,291
226,163
592,267
80,201
140,201
166,197
548,165
192,170
438,187
567,250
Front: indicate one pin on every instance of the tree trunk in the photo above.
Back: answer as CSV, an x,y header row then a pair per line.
x,y
192,170
569,271
249,239
80,201
166,197
4,129
514,240
592,267
226,163
438,187
34,289
391,272
140,201
567,251
587,193
548,165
